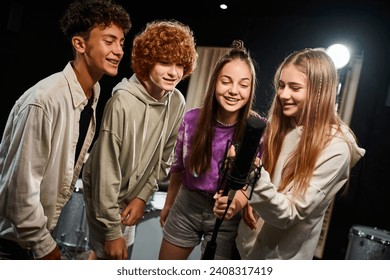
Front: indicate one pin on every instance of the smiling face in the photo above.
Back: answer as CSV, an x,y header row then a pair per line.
x,y
104,50
292,91
233,89
164,76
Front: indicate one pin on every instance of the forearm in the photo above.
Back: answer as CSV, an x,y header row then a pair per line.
x,y
175,182
240,200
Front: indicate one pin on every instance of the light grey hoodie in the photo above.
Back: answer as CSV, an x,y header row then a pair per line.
x,y
289,227
134,149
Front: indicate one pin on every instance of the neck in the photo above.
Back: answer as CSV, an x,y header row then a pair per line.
x,y
226,118
84,78
153,90
226,124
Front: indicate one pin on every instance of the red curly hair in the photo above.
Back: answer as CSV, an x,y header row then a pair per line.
x,y
163,40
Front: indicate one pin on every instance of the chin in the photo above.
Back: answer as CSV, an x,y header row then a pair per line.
x,y
168,88
112,73
289,114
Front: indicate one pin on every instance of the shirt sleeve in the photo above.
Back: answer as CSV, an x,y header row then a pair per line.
x,y
27,155
107,180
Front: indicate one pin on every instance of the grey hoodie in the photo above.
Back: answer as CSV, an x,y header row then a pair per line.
x,y
289,226
134,149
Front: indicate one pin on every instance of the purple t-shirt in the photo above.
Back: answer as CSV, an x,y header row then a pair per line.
x,y
207,182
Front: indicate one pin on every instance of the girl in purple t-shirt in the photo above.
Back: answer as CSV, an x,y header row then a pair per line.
x,y
187,217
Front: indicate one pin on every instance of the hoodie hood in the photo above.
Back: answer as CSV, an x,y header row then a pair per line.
x,y
356,152
134,87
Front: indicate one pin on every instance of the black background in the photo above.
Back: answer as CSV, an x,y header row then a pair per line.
x,y
33,47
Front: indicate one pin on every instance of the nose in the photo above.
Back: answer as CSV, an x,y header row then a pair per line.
x,y
234,89
174,70
118,49
284,93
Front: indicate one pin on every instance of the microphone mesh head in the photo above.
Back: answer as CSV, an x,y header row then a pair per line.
x,y
246,153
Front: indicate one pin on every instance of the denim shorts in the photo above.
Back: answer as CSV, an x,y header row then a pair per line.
x,y
191,221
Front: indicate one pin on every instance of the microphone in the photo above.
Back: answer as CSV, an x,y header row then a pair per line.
x,y
245,154
238,174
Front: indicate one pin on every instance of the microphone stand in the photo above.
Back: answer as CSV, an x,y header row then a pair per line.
x,y
211,246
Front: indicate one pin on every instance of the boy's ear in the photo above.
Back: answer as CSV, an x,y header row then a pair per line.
x,y
78,44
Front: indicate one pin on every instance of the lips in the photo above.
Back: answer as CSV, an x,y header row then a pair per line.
x,y
232,99
112,61
171,82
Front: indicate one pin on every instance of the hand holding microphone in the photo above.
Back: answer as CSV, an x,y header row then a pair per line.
x,y
237,174
238,203
234,202
238,200
245,156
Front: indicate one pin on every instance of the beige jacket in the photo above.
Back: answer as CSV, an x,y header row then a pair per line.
x,y
37,152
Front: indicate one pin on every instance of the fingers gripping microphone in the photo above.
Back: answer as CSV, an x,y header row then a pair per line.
x,y
245,155
236,177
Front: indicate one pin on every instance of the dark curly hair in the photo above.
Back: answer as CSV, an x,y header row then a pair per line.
x,y
163,40
84,15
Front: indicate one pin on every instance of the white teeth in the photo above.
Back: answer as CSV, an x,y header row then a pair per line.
x,y
231,99
114,62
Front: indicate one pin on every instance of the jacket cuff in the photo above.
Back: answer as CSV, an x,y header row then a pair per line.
x,y
147,192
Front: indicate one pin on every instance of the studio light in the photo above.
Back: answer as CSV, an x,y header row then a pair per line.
x,y
223,6
339,54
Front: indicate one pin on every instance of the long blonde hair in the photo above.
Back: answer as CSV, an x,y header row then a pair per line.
x,y
318,118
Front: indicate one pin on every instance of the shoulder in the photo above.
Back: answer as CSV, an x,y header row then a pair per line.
x,y
337,152
342,137
192,114
47,92
178,97
118,100
122,104
345,142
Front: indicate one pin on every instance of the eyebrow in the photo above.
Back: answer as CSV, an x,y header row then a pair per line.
x,y
113,36
241,79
